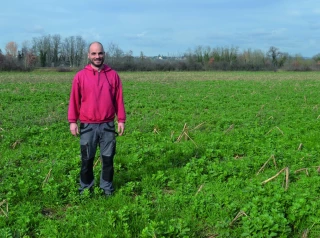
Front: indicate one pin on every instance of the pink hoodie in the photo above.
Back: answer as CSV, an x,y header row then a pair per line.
x,y
96,97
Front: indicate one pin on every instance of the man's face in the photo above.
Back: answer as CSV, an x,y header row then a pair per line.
x,y
96,55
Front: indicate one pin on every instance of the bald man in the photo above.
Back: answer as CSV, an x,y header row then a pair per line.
x,y
96,101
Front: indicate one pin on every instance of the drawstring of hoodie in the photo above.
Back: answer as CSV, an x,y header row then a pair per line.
x,y
105,73
114,96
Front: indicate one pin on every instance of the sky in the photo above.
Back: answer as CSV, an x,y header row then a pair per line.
x,y
168,27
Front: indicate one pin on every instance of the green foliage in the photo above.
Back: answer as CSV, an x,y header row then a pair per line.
x,y
197,151
43,58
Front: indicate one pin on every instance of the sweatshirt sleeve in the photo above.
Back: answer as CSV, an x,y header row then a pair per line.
x,y
119,105
74,102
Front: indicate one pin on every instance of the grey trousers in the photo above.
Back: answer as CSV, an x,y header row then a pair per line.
x,y
92,136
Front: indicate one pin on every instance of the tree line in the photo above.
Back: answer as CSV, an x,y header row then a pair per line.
x,y
69,53
44,51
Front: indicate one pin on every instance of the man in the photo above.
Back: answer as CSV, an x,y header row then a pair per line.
x,y
95,98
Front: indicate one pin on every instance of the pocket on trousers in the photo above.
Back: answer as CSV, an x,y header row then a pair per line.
x,y
84,125
83,131
110,128
109,149
85,151
110,124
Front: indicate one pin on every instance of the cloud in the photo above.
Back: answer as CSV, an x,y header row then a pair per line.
x,y
141,34
35,29
137,36
278,32
60,10
294,12
90,34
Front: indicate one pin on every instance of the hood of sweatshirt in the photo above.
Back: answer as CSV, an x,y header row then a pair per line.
x,y
105,68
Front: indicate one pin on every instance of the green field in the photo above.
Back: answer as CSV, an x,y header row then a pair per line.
x,y
205,154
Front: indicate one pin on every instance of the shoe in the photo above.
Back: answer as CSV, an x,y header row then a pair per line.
x,y
108,194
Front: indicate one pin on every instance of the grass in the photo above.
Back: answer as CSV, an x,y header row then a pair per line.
x,y
233,154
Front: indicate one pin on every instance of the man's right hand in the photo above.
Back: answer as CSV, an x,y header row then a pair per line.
x,y
74,128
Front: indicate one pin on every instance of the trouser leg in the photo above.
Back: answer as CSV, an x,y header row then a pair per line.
x,y
107,150
88,147
107,172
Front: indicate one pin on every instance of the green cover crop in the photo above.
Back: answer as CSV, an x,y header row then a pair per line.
x,y
205,154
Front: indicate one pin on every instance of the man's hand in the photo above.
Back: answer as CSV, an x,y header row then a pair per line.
x,y
120,128
74,128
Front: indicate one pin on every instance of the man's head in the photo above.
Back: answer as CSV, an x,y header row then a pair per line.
x,y
96,54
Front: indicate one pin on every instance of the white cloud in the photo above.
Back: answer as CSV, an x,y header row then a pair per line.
x,y
142,34
35,29
278,32
294,12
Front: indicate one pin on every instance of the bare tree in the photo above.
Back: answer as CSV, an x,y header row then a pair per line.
x,y
25,51
12,49
69,50
129,56
142,56
226,55
252,57
114,54
56,44
198,54
25,47
80,51
111,49
48,49
206,54
2,59
42,46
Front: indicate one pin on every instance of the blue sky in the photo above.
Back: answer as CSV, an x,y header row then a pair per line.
x,y
169,27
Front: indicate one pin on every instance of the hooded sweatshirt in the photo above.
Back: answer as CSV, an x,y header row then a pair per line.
x,y
96,96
